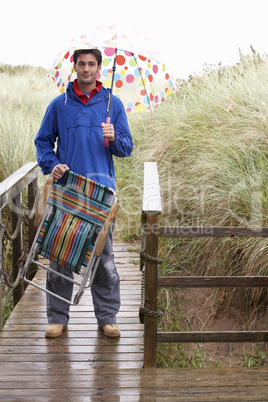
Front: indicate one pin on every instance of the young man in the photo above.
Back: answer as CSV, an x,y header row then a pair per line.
x,y
76,122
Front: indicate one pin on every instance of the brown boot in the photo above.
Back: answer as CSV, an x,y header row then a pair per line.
x,y
111,331
54,330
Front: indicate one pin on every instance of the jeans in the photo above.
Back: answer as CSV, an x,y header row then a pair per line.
x,y
105,290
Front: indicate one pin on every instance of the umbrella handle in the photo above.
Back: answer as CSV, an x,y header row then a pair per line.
x,y
106,141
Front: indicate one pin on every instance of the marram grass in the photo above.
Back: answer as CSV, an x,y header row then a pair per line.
x,y
24,94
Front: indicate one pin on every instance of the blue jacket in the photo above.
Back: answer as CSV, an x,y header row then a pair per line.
x,y
77,130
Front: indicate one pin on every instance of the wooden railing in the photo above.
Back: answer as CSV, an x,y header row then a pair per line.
x,y
11,197
151,232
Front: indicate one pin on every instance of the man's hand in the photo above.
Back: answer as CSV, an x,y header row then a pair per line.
x,y
59,170
108,131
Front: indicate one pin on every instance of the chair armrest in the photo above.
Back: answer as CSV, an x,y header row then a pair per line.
x,y
105,229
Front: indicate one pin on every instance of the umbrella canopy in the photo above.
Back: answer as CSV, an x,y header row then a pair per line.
x,y
140,80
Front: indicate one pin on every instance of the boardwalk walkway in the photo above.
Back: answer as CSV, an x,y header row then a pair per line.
x,y
83,365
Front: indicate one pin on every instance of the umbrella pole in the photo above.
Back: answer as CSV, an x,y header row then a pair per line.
x,y
108,120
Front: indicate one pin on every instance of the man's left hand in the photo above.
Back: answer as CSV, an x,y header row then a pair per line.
x,y
108,131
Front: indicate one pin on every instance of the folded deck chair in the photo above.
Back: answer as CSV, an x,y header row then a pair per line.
x,y
73,230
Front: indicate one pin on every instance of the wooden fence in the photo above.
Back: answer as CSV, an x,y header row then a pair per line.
x,y
11,196
151,232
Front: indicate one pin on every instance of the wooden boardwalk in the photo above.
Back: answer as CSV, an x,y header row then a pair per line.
x,y
83,365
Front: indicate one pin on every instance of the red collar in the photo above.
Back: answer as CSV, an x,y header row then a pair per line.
x,y
83,97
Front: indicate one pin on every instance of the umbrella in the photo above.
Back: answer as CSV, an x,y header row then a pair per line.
x,y
130,67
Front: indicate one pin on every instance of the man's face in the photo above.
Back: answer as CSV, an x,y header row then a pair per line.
x,y
86,69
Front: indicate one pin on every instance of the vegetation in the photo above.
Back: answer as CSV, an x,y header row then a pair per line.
x,y
210,143
25,93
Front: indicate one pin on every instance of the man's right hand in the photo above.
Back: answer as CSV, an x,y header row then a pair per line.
x,y
59,170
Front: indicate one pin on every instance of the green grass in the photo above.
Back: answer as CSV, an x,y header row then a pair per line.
x,y
253,358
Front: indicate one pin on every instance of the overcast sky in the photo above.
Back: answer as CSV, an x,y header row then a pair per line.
x,y
189,33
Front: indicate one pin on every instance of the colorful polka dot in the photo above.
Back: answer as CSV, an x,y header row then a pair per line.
x,y
120,60
143,82
117,77
119,84
105,72
130,78
132,62
105,62
107,83
169,92
142,58
109,51
140,108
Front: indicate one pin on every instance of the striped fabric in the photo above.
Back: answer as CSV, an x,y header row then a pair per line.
x,y
78,204
86,186
76,213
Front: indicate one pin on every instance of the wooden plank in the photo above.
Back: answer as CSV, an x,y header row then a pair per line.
x,y
14,184
213,336
134,394
155,384
72,333
69,341
70,357
212,281
210,231
151,190
162,377
71,327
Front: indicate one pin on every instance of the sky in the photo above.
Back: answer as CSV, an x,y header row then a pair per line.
x,y
189,34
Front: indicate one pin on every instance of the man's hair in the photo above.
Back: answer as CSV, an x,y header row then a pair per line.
x,y
96,53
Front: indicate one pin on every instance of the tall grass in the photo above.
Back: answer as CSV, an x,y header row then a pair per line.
x,y
210,143
24,94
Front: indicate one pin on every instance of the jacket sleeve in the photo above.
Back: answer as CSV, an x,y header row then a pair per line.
x,y
123,144
45,140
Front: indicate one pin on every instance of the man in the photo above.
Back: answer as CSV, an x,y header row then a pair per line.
x,y
75,121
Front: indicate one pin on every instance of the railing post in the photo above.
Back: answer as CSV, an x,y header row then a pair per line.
x,y
151,210
150,323
32,191
17,246
1,287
